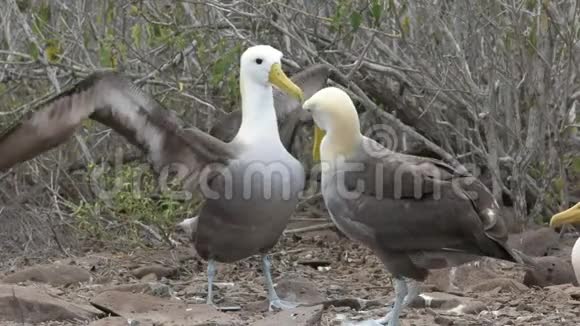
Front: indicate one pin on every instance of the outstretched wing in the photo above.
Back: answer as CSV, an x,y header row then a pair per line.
x,y
113,100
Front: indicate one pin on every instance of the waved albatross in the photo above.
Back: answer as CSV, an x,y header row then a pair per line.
x,y
251,184
569,216
415,213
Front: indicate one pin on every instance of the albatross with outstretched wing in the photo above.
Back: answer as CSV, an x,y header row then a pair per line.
x,y
251,184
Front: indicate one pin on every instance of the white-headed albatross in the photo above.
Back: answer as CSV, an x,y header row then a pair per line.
x,y
569,216
251,184
415,213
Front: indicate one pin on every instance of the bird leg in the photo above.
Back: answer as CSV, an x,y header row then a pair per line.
x,y
405,293
210,275
275,301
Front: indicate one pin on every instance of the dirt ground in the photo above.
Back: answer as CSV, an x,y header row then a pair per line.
x,y
334,268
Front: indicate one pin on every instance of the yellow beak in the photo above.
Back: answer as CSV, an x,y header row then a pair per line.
x,y
571,215
279,79
318,135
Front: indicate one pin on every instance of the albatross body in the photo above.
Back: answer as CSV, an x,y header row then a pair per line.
x,y
415,213
569,216
251,184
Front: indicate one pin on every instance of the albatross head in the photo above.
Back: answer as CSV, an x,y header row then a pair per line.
x,y
335,114
571,215
261,65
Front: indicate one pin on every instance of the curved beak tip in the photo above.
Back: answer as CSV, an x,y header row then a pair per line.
x,y
569,216
279,79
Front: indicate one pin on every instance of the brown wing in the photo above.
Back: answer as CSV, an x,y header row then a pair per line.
x,y
116,102
413,203
288,110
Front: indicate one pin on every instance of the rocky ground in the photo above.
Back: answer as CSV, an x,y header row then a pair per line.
x,y
339,282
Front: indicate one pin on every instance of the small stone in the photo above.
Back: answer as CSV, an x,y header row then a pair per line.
x,y
550,271
149,278
299,290
445,321
158,271
524,307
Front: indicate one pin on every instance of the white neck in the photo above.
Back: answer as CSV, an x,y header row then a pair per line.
x,y
576,259
258,114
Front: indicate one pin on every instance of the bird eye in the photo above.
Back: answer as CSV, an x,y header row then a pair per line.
x,y
259,61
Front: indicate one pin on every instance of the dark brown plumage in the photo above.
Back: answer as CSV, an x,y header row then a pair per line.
x,y
415,213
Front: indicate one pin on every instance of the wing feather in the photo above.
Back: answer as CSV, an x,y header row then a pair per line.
x,y
113,100
414,203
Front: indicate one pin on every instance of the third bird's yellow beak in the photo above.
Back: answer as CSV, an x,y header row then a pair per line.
x,y
569,216
279,79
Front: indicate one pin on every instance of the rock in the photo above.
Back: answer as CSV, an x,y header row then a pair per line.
x,y
574,292
442,320
451,303
120,321
504,284
301,316
28,304
149,278
536,243
465,276
158,270
299,290
550,271
57,275
161,311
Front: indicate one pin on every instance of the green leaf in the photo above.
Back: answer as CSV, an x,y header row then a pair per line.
x,y
33,50
52,50
105,55
44,12
576,165
136,35
134,11
377,10
111,12
355,20
406,25
558,184
530,5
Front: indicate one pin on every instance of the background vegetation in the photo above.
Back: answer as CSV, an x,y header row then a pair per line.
x,y
491,84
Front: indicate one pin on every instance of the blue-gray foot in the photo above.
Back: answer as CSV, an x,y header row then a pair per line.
x,y
281,305
275,301
210,276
